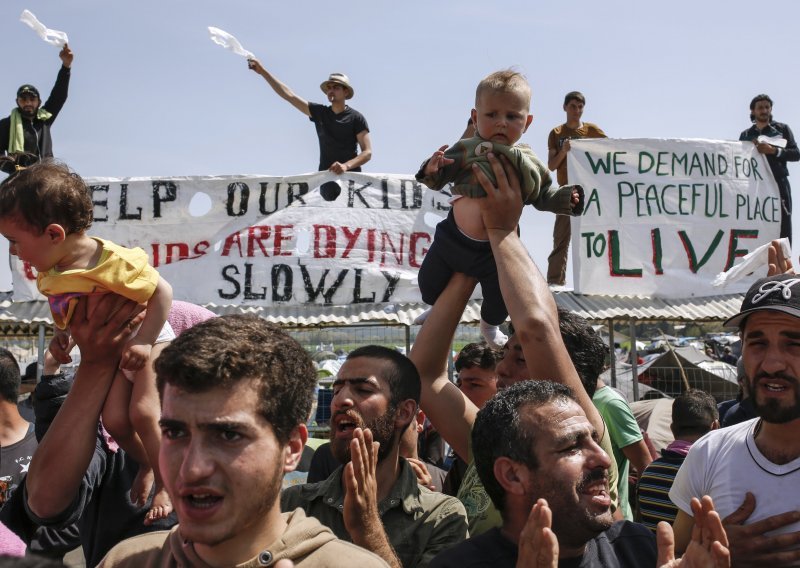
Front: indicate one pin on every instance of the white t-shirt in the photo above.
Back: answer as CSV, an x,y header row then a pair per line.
x,y
726,464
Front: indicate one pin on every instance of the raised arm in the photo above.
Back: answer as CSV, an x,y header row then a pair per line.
x,y
100,326
58,96
450,412
527,297
280,88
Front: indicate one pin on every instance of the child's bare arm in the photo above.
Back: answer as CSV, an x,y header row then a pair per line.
x,y
157,311
138,349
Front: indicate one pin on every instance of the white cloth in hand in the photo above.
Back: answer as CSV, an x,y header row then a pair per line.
x,y
229,42
53,37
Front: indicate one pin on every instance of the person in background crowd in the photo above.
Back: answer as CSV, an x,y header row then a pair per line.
x,y
558,146
775,140
375,499
477,378
27,129
340,128
694,414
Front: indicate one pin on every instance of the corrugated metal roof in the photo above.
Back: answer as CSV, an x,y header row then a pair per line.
x,y
289,316
593,308
596,308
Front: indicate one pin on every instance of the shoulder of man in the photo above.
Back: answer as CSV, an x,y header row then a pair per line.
x,y
487,549
633,543
149,550
315,110
592,130
300,496
781,127
309,543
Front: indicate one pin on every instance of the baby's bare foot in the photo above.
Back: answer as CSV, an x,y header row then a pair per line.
x,y
141,486
160,508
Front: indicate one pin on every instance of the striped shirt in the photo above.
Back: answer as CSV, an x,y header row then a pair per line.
x,y
653,490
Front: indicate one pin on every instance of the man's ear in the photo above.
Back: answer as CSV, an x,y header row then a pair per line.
x,y
512,476
528,122
294,447
406,412
420,420
55,233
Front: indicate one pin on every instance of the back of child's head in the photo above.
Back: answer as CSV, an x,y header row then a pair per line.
x,y
46,193
504,81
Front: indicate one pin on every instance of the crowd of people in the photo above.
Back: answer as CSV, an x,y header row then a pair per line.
x,y
182,462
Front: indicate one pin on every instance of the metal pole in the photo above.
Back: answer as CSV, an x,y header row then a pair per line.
x,y
408,340
634,361
612,352
40,358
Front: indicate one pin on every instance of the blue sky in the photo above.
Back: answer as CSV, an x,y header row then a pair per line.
x,y
151,95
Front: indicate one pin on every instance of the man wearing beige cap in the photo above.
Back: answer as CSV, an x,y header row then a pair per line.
x,y
339,127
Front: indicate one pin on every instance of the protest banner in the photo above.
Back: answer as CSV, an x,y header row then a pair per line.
x,y
237,240
664,217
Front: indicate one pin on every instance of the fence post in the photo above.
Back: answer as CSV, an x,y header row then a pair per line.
x,y
613,352
634,361
40,356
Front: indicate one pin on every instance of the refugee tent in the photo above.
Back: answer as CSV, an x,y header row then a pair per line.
x,y
700,372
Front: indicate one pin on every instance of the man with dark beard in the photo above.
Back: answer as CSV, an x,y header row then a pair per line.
x,y
540,461
757,460
27,129
374,500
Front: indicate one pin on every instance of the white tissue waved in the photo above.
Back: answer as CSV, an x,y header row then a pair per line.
x,y
758,259
53,37
229,42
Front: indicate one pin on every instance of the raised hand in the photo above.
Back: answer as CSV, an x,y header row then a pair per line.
x,y
437,161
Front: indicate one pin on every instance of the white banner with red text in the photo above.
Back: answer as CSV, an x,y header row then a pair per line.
x,y
307,239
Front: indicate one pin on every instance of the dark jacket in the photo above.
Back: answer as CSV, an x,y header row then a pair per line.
x,y
37,132
789,154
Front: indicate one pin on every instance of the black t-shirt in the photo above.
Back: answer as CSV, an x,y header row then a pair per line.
x,y
624,545
337,133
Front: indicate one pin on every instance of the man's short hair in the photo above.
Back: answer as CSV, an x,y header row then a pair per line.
x,y
221,352
45,193
574,96
585,347
693,412
758,99
401,373
500,430
10,378
479,355
504,81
